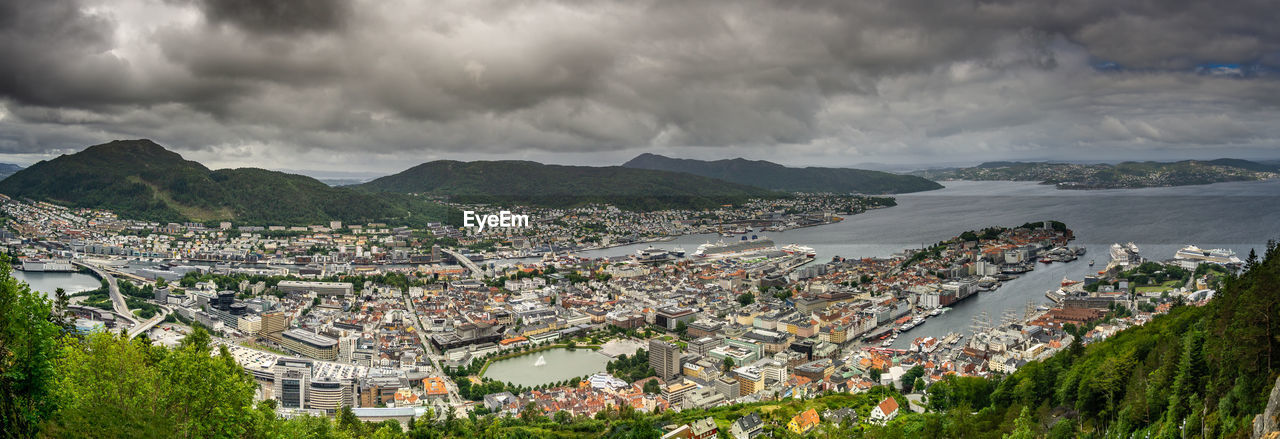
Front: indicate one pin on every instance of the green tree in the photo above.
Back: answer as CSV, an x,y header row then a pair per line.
x,y
146,391
1024,426
651,387
28,349
745,299
348,422
530,412
62,315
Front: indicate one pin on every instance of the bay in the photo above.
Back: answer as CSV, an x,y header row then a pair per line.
x,y
47,282
1239,216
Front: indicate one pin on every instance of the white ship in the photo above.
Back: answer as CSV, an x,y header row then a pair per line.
x,y
746,245
1125,255
796,249
652,254
1219,256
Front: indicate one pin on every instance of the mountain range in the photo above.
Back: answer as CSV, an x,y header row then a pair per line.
x,y
7,169
143,180
774,176
534,183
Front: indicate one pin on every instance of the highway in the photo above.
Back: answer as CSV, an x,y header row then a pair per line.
x,y
119,305
117,299
147,325
476,273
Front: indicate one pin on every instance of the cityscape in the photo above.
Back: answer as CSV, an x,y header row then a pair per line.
x,y
337,219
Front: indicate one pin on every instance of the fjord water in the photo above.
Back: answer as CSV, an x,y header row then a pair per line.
x,y
1238,216
47,282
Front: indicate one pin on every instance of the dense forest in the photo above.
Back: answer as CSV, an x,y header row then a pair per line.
x,y
537,184
1198,371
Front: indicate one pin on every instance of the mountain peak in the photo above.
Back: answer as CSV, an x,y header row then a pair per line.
x,y
136,149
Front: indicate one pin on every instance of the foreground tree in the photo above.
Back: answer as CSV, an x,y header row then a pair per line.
x,y
28,344
112,387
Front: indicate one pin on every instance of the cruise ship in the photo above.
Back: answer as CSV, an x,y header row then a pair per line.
x,y
746,245
653,254
1217,256
796,249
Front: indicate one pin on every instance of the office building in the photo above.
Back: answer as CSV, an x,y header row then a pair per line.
x,y
664,358
321,288
292,382
310,344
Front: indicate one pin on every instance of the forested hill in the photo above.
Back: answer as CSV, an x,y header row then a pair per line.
x,y
563,186
140,179
771,175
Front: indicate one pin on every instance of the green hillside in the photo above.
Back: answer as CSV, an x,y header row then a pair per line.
x,y
563,186
771,175
142,180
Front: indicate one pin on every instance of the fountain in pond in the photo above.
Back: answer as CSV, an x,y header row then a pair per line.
x,y
542,361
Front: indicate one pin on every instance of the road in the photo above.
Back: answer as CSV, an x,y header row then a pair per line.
x,y
476,273
147,325
438,369
117,299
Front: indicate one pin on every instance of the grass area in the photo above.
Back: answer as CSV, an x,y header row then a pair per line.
x,y
1166,286
252,345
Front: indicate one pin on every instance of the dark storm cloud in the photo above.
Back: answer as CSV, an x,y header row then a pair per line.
x,y
812,78
278,16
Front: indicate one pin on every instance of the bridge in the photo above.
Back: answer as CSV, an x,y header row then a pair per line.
x,y
476,273
117,300
147,325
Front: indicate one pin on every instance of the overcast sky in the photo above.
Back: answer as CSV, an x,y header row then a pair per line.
x,y
378,86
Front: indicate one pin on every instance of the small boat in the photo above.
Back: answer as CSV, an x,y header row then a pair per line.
x,y
1091,262
1046,261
